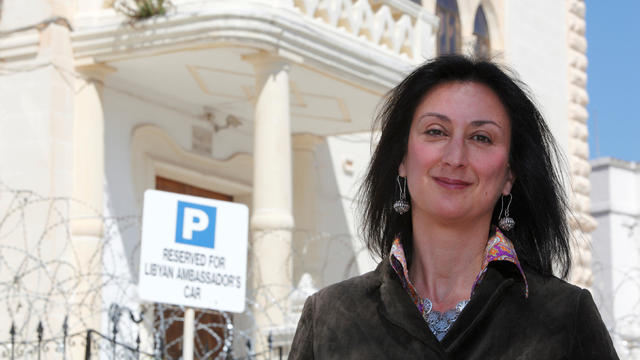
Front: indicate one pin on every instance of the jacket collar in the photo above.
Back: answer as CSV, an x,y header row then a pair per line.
x,y
486,297
398,308
498,248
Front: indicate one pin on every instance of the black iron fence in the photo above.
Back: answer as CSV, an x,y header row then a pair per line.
x,y
99,346
16,349
92,342
42,280
96,345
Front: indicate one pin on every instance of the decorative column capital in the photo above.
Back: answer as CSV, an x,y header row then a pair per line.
x,y
94,70
280,57
271,219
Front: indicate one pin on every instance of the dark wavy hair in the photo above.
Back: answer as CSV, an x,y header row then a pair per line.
x,y
539,206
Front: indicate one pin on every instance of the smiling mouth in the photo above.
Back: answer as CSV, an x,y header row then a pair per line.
x,y
451,183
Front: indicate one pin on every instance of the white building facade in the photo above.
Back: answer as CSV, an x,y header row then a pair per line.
x,y
263,102
615,197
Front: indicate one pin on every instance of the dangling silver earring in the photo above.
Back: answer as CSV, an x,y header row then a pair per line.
x,y
401,206
506,223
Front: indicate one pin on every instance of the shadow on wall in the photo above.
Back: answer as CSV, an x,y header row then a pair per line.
x,y
326,252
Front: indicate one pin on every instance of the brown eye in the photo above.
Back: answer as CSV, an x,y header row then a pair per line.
x,y
435,132
481,138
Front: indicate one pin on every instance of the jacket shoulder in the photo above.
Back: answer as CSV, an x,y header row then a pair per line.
x,y
549,287
561,304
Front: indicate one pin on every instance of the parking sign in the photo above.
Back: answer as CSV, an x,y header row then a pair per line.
x,y
194,251
196,224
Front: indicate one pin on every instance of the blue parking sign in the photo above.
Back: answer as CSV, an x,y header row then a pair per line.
x,y
196,224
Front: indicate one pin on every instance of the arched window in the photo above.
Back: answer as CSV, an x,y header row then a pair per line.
x,y
449,30
482,46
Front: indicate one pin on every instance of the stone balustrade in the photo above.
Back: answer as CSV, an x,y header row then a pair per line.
x,y
400,26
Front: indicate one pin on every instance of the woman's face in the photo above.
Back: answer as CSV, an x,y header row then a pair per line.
x,y
456,163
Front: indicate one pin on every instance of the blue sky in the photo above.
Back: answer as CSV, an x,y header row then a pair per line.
x,y
613,33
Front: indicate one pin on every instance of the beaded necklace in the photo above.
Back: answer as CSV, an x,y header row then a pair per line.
x,y
440,322
498,248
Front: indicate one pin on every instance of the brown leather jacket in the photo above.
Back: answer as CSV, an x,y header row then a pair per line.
x,y
372,317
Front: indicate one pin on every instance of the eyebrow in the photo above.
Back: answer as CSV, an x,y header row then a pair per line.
x,y
476,123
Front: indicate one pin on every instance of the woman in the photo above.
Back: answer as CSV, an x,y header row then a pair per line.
x,y
469,238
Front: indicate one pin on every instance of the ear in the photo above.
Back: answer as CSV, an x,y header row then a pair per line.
x,y
401,169
510,180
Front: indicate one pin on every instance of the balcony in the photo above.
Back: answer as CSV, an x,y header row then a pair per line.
x,y
399,26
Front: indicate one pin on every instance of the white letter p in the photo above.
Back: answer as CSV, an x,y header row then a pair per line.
x,y
190,224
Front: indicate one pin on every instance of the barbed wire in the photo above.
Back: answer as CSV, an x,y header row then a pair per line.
x,y
619,303
67,284
51,279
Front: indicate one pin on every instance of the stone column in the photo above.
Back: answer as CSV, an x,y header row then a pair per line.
x,y
86,223
88,154
37,119
583,223
271,219
306,247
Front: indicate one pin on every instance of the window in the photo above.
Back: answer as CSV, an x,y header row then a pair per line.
x,y
449,30
482,46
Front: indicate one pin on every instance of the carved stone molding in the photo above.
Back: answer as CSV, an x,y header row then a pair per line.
x,y
583,223
402,27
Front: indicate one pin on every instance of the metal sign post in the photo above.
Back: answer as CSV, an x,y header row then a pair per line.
x,y
188,333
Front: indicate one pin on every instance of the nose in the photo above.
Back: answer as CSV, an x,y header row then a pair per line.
x,y
455,153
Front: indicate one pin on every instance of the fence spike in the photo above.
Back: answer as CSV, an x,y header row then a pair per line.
x,y
65,333
87,348
12,332
40,331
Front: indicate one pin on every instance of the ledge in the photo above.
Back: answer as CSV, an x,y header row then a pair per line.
x,y
605,162
104,36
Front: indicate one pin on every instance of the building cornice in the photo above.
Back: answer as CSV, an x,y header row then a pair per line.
x,y
104,36
605,208
606,162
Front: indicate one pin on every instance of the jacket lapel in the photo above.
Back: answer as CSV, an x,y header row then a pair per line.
x,y
486,297
397,307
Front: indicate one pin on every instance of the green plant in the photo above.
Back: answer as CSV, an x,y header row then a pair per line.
x,y
142,9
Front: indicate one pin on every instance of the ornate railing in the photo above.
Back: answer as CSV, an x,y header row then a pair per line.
x,y
400,26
